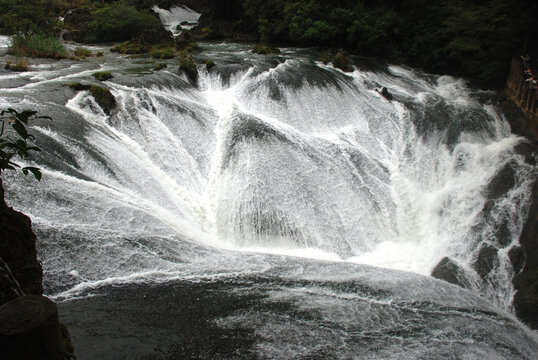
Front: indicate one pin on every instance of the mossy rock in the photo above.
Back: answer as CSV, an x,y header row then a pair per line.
x,y
209,64
78,86
265,50
82,52
103,97
160,67
131,47
340,61
166,53
102,75
325,57
187,65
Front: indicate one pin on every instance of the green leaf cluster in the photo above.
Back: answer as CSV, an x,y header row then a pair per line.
x,y
16,141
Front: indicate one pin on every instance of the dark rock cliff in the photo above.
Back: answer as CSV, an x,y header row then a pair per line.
x,y
526,282
17,249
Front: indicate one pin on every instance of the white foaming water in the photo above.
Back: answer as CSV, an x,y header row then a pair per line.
x,y
175,16
5,41
298,159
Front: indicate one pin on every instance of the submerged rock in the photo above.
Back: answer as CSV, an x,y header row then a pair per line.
x,y
451,272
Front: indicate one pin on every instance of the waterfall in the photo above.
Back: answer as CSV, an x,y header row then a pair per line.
x,y
266,160
177,18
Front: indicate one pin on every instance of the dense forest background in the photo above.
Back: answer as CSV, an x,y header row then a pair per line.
x,y
474,38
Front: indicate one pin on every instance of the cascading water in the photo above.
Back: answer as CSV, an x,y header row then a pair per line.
x,y
177,18
273,156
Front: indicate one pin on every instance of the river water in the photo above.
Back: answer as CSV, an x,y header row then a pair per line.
x,y
312,208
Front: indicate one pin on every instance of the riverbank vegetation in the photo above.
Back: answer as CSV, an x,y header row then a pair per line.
x,y
37,46
469,38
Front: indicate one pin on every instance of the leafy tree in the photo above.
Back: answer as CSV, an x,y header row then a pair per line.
x,y
16,141
119,21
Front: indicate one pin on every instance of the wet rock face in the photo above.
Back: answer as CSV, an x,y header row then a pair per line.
x,y
503,181
449,271
485,261
17,249
526,282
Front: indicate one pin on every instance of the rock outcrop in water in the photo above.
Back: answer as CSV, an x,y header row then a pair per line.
x,y
17,249
30,327
451,272
526,282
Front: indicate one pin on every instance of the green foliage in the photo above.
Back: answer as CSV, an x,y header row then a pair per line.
x,y
131,47
160,67
83,52
37,46
472,38
186,63
119,21
16,141
341,61
103,97
25,16
264,49
20,66
210,64
102,75
166,53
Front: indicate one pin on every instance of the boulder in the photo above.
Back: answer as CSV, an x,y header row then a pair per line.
x,y
103,97
17,249
502,182
485,260
517,258
451,272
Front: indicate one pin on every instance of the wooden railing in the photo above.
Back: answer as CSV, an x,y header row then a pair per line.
x,y
521,91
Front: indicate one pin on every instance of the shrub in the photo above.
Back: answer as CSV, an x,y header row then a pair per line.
x,y
188,66
38,46
130,47
264,49
167,53
20,66
341,61
102,75
83,52
209,64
